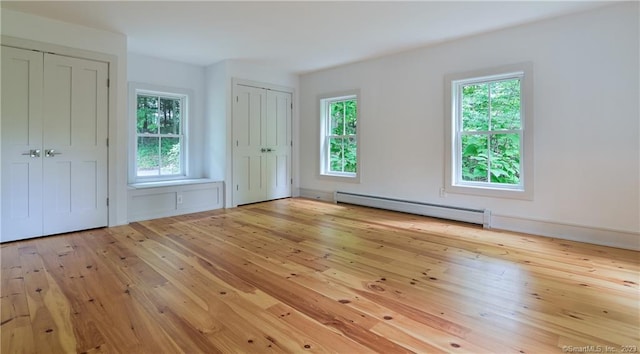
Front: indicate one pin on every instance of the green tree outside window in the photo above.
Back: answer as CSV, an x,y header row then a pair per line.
x,y
491,132
343,120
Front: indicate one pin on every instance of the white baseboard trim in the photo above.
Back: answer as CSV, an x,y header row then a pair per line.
x,y
597,236
316,194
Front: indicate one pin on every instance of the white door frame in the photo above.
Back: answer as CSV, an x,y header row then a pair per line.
x,y
112,62
229,195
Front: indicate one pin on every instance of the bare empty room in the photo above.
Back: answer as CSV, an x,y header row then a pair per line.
x,y
248,177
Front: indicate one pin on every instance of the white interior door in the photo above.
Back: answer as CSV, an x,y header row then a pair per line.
x,y
74,144
21,144
278,145
54,144
248,151
261,144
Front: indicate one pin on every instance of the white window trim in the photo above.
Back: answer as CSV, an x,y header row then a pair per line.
x,y
324,101
134,89
452,182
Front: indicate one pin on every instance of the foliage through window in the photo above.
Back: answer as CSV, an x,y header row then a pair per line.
x,y
340,143
159,134
489,132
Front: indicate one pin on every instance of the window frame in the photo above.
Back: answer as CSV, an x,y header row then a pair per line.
x,y
453,132
325,121
184,95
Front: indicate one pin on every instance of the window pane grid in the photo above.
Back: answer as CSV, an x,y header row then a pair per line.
x,y
341,138
489,148
159,135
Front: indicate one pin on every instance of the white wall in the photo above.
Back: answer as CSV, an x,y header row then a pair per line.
x,y
171,74
219,104
218,93
587,154
40,29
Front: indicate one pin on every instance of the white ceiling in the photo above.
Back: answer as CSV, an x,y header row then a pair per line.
x,y
296,36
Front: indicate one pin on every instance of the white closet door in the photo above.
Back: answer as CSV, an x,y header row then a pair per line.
x,y
21,144
278,143
249,112
261,144
75,144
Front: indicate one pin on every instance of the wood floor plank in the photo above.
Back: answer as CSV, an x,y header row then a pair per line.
x,y
16,325
297,275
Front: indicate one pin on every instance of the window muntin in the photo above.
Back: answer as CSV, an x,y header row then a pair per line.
x,y
489,131
160,139
339,136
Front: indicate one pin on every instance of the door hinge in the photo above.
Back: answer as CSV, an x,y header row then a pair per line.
x,y
108,83
107,142
237,187
237,98
292,106
107,201
291,142
292,181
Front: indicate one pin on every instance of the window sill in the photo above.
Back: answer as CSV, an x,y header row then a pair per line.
x,y
169,183
524,194
342,178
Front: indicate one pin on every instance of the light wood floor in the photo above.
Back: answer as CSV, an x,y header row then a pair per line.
x,y
296,275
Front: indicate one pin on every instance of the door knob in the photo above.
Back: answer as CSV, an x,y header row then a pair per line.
x,y
263,150
32,153
51,153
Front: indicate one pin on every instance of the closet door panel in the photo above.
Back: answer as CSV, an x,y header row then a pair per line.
x,y
75,144
278,141
21,121
249,150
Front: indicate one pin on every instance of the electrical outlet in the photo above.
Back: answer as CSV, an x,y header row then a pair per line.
x,y
179,199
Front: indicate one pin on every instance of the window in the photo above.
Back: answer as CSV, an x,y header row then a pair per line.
x,y
490,133
339,141
160,140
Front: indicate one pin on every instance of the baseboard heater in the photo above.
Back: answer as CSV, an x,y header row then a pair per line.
x,y
474,216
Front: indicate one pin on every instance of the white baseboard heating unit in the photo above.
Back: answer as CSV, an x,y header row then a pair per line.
x,y
474,216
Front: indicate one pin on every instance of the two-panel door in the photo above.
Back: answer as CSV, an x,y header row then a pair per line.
x,y
261,144
54,144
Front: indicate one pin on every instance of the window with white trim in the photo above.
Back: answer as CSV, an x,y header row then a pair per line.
x,y
490,138
339,136
160,140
